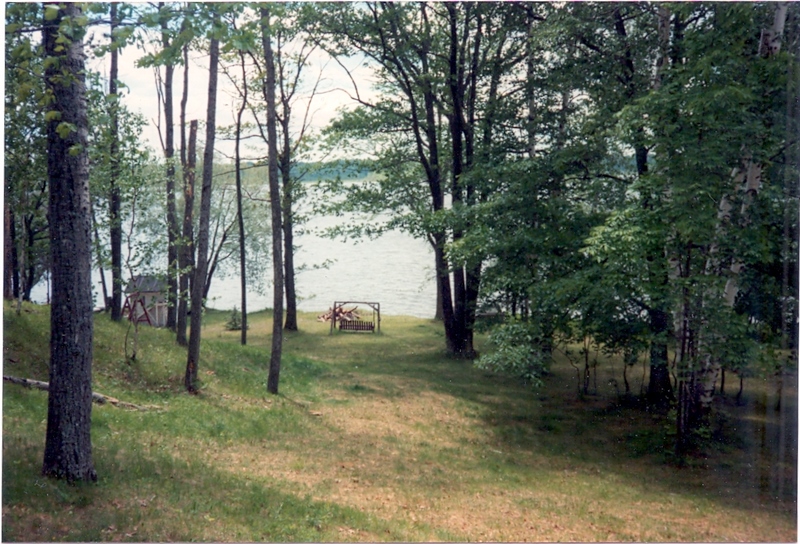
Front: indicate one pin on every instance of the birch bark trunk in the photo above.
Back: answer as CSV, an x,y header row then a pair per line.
x,y
747,179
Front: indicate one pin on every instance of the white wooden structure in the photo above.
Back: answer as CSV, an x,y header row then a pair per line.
x,y
146,301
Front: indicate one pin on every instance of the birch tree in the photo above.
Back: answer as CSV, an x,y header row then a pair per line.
x,y
747,180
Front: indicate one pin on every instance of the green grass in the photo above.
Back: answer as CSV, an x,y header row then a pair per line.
x,y
374,437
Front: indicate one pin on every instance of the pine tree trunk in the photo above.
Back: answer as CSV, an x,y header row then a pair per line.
x,y
530,67
30,237
68,446
275,204
200,269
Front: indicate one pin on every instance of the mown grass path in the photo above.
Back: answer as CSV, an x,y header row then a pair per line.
x,y
374,437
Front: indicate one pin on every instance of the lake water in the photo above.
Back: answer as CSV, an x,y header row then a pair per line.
x,y
395,270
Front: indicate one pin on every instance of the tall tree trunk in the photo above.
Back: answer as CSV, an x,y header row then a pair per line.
x,y
68,446
439,315
659,388
8,279
275,205
443,279
530,67
15,287
114,202
456,86
288,238
200,269
169,156
30,238
287,203
790,229
747,178
186,246
239,215
438,238
472,271
99,254
22,259
186,255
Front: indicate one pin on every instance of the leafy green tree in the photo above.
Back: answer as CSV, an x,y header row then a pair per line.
x,y
165,19
118,160
291,59
201,264
719,86
176,27
431,127
243,92
273,378
25,152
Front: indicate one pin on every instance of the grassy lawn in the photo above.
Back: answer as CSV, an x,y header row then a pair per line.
x,y
374,437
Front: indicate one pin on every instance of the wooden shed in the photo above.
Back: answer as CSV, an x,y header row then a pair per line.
x,y
146,301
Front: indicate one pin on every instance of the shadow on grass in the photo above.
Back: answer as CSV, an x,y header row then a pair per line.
x,y
749,464
522,432
193,501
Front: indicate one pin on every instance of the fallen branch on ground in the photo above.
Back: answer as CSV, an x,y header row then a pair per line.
x,y
99,398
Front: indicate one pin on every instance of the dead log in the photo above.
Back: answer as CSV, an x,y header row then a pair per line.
x,y
98,398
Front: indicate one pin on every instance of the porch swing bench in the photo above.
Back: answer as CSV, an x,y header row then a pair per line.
x,y
347,323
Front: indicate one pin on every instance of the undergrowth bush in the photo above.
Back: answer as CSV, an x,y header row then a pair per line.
x,y
517,352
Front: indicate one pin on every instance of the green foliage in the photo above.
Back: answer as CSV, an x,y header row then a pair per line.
x,y
235,321
25,143
518,351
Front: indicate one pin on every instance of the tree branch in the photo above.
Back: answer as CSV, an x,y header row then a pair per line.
x,y
97,398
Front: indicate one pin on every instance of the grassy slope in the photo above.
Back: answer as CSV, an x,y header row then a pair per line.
x,y
374,437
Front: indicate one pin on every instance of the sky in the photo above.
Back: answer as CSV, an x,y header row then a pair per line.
x,y
141,96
